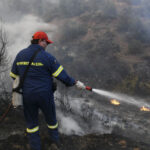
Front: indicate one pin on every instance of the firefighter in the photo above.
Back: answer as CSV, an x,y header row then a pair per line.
x,y
38,87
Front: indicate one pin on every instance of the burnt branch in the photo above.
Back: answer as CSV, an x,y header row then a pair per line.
x,y
3,53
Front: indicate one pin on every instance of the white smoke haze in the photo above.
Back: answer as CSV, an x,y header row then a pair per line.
x,y
68,125
86,117
12,11
81,120
20,33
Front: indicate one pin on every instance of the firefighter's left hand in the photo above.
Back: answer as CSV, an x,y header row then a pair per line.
x,y
80,85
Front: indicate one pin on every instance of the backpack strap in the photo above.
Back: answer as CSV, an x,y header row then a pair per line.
x,y
17,89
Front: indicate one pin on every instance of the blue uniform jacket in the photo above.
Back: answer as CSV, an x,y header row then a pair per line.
x,y
41,72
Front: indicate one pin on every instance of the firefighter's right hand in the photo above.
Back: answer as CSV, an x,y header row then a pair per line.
x,y
80,85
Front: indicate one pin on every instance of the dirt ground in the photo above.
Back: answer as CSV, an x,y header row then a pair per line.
x,y
88,142
13,137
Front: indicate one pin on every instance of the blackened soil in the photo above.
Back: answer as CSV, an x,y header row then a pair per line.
x,y
88,142
12,137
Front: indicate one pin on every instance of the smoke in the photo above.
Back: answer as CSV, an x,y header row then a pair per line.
x,y
29,16
22,18
87,116
20,33
82,118
11,11
69,126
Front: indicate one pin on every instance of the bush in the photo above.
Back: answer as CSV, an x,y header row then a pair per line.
x,y
128,84
135,47
109,9
124,22
134,28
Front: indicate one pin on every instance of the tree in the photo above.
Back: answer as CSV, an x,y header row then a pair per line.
x,y
3,55
4,60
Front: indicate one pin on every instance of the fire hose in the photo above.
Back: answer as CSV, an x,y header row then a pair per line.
x,y
5,113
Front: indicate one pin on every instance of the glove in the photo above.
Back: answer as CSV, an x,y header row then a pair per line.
x,y
80,85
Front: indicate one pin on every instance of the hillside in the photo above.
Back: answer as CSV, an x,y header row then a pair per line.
x,y
109,40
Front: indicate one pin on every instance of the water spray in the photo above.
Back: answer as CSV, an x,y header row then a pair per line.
x,y
121,97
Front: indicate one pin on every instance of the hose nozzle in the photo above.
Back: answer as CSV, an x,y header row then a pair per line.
x,y
88,88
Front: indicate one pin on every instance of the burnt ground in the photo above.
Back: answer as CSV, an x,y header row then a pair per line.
x,y
13,137
88,142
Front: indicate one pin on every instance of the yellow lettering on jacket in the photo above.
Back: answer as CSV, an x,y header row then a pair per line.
x,y
27,63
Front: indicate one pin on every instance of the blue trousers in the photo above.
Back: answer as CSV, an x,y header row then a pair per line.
x,y
32,103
